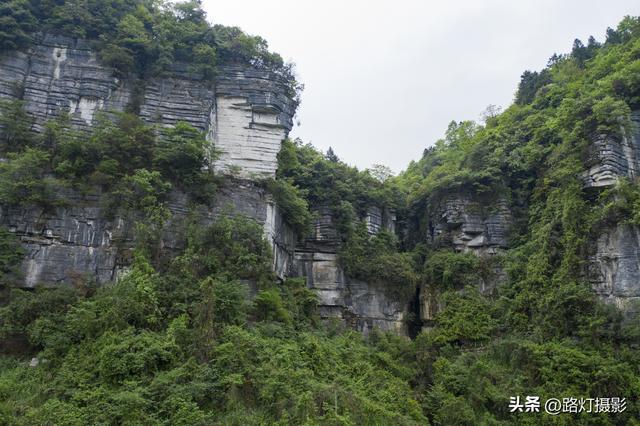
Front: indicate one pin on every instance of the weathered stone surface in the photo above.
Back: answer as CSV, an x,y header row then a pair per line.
x,y
359,304
469,225
67,242
378,219
363,306
614,269
61,74
248,140
167,101
245,112
81,240
466,224
612,157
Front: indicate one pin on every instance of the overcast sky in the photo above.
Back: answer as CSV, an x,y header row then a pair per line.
x,y
384,78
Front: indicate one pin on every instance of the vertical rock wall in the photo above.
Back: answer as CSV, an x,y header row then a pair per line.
x,y
469,224
614,266
361,305
245,113
83,240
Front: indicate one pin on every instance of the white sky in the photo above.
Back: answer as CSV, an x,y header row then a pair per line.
x,y
384,78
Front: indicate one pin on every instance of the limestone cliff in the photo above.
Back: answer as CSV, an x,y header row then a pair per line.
x,y
362,305
246,112
467,223
614,265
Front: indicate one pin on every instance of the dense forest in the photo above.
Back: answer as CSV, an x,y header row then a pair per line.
x,y
180,340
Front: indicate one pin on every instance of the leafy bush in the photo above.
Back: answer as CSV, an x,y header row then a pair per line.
x,y
11,255
375,259
445,269
294,207
15,126
16,24
466,318
23,179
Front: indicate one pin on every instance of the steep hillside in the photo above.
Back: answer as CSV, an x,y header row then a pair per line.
x,y
168,256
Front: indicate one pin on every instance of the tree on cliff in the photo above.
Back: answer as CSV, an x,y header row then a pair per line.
x,y
16,24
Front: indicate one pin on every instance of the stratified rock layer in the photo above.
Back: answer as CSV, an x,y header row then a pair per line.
x,y
468,224
362,305
614,267
612,157
83,240
245,113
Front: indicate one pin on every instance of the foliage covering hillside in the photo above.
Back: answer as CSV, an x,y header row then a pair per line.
x,y
178,341
146,37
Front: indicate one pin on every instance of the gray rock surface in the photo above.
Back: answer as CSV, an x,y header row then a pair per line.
x,y
359,304
245,112
63,75
614,269
470,225
83,241
611,157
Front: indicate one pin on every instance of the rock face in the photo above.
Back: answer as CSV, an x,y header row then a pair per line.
x,y
614,267
84,241
245,113
612,157
469,225
361,305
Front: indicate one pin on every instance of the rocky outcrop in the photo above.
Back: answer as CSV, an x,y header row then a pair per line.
x,y
83,240
611,157
245,112
378,219
362,305
615,268
468,224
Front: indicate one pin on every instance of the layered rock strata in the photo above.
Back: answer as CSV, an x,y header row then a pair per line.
x,y
83,240
364,306
245,113
614,266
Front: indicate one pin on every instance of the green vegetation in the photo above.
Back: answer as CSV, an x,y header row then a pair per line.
x,y
186,347
16,23
376,259
116,156
145,37
308,179
11,254
544,332
207,335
